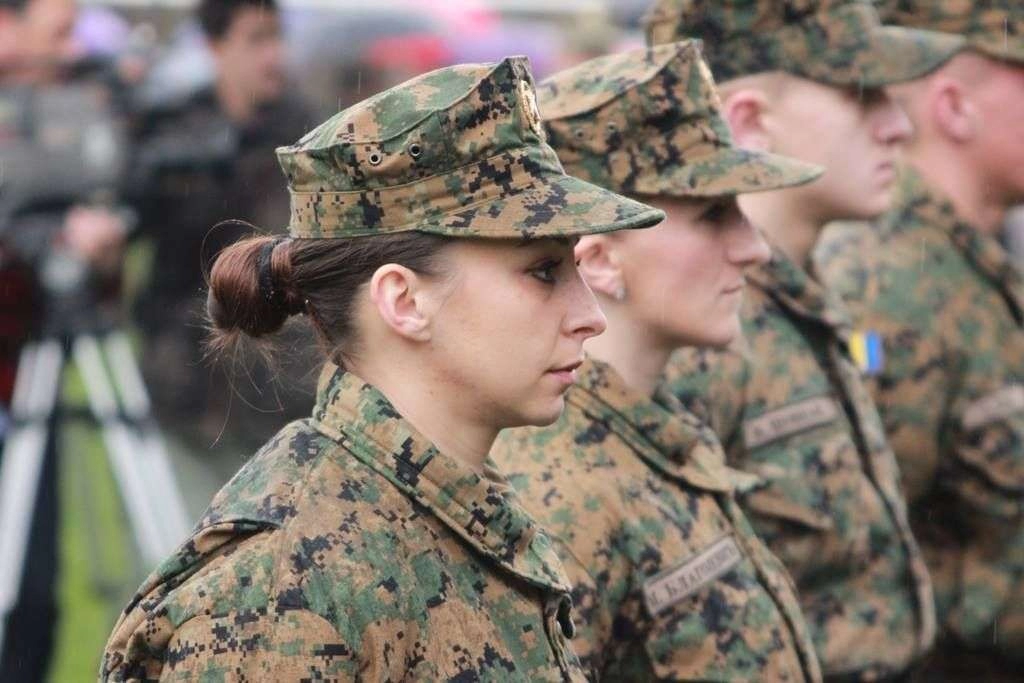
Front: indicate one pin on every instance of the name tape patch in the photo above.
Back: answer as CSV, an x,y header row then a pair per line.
x,y
670,587
789,420
998,405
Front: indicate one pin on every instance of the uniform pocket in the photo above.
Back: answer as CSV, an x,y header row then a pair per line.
x,y
808,540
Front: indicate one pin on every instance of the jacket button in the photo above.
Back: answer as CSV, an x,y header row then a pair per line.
x,y
565,619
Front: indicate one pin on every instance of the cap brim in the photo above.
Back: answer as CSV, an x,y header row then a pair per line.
x,y
1008,49
554,205
730,171
899,54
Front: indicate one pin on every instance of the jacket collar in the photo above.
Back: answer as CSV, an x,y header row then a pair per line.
x,y
671,441
924,206
478,506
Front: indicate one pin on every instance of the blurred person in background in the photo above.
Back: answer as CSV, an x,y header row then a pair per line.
x,y
806,79
931,280
205,158
58,153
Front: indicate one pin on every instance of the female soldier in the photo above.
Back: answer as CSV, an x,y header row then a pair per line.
x,y
670,581
369,541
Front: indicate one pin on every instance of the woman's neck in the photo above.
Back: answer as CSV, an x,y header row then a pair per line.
x,y
428,406
783,217
636,354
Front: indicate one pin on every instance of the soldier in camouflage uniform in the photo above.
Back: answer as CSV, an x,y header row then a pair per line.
x,y
353,545
931,281
669,579
804,78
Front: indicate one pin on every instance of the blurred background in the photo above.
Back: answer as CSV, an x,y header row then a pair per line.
x,y
136,140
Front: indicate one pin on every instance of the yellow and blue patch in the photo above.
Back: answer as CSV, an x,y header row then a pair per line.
x,y
867,351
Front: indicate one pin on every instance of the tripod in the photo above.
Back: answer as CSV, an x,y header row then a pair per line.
x,y
119,403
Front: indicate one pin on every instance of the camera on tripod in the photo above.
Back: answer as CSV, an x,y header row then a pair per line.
x,y
71,153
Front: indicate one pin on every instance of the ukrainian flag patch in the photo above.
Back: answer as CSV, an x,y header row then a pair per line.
x,y
867,351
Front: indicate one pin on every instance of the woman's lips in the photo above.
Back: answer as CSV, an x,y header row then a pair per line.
x,y
735,289
566,373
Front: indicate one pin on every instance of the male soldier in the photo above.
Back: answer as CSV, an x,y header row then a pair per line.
x,y
804,78
944,302
56,145
206,160
670,581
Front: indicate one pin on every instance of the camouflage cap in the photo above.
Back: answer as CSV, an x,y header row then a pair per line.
x,y
836,42
648,122
992,27
459,151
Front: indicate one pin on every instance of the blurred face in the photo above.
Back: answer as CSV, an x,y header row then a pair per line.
x,y
684,278
38,39
855,135
250,55
999,135
509,333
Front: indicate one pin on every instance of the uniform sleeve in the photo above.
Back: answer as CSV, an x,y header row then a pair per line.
x,y
252,645
712,385
982,472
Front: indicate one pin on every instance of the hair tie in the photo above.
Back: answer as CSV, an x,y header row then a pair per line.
x,y
265,270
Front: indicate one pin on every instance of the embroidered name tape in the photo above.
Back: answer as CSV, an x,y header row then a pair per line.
x,y
668,588
789,420
998,405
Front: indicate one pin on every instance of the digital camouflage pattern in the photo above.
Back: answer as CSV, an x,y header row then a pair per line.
x,y
836,42
349,547
992,27
949,304
459,151
791,409
669,580
649,122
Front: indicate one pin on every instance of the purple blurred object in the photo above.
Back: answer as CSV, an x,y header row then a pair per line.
x,y
100,32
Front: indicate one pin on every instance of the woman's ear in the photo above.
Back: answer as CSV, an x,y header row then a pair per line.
x,y
398,295
600,264
746,111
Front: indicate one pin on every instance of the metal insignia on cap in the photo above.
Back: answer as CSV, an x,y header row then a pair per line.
x,y
530,109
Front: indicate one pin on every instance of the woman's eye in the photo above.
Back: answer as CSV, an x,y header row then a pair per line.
x,y
713,213
545,272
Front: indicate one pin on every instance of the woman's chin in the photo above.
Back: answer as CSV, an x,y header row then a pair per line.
x,y
547,413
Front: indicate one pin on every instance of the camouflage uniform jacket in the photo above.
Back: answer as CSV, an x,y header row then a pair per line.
x,y
349,547
949,307
791,409
669,580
